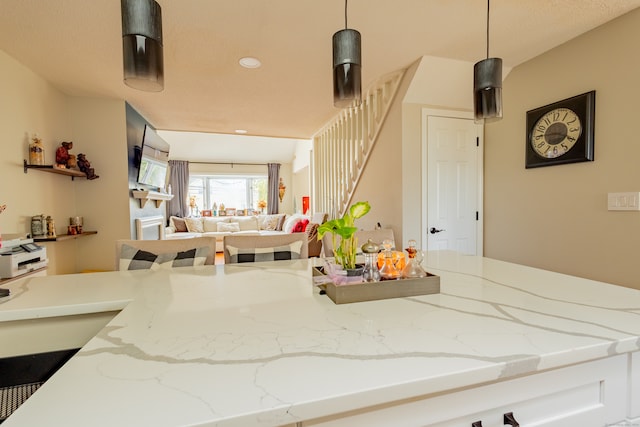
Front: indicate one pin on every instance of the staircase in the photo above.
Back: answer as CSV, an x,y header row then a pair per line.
x,y
342,147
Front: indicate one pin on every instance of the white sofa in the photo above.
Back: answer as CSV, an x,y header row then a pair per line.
x,y
220,226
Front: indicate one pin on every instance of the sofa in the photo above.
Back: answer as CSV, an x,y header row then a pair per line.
x,y
253,225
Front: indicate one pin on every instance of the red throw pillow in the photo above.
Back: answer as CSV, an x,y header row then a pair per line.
x,y
300,226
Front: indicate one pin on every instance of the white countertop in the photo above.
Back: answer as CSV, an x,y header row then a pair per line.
x,y
257,345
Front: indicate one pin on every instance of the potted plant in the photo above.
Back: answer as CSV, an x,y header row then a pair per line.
x,y
345,252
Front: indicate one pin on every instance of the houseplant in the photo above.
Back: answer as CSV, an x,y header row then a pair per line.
x,y
345,252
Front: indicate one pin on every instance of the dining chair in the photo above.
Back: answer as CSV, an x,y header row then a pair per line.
x,y
152,254
272,247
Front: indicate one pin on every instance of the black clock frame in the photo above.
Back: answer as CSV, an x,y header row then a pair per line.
x,y
584,105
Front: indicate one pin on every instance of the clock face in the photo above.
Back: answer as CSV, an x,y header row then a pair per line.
x,y
555,133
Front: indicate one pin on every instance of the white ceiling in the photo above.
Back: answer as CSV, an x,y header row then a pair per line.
x,y
213,147
76,45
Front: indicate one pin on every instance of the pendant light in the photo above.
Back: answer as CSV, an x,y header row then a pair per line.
x,y
487,86
142,45
347,88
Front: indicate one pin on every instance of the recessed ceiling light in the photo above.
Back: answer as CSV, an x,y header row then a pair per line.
x,y
250,62
242,131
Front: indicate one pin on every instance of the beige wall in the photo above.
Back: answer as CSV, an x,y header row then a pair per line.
x,y
30,104
556,217
99,127
382,179
301,175
300,187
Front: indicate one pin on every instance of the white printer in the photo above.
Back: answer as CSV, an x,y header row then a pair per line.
x,y
21,256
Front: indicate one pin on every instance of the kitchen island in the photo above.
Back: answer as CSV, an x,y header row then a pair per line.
x,y
258,345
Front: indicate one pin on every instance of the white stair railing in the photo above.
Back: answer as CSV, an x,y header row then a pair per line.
x,y
342,147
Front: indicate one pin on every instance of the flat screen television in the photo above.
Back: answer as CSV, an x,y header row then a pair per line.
x,y
154,159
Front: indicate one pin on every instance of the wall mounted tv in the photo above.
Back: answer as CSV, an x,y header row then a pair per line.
x,y
154,159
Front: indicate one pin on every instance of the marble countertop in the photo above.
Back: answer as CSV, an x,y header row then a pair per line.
x,y
257,345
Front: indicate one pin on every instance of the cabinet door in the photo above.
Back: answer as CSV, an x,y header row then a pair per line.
x,y
591,394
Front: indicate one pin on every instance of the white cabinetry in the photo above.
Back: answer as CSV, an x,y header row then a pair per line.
x,y
634,388
592,394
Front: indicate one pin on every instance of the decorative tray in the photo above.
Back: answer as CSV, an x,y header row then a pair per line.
x,y
371,291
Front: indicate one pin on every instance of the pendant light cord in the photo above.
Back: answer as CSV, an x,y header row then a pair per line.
x,y
345,14
488,1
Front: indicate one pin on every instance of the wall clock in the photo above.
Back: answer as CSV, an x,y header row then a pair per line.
x,y
561,132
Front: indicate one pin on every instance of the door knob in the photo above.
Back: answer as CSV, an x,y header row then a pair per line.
x,y
434,230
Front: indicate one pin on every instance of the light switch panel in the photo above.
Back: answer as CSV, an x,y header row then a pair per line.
x,y
624,201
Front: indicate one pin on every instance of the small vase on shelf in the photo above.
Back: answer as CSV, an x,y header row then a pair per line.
x,y
36,151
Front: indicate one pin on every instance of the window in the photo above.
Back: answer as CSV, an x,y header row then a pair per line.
x,y
239,192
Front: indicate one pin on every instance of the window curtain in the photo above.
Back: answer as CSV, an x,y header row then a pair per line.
x,y
179,182
273,174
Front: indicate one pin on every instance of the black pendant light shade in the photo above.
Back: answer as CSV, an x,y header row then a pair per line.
x,y
487,86
347,60
487,89
347,86
142,45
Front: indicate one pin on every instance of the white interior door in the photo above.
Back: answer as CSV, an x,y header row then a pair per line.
x,y
453,185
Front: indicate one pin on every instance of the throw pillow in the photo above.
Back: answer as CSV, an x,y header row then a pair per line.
x,y
291,221
300,226
268,222
136,259
210,223
312,231
179,224
279,253
228,226
247,223
194,225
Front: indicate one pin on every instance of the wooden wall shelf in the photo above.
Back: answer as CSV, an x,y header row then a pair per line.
x,y
73,173
61,237
156,196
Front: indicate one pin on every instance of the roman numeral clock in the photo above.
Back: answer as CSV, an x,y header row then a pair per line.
x,y
561,132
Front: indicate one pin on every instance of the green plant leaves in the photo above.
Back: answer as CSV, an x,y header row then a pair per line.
x,y
345,252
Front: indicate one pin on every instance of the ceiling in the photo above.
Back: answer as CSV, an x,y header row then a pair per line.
x,y
76,45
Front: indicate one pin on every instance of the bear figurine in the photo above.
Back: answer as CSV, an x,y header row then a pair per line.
x,y
85,166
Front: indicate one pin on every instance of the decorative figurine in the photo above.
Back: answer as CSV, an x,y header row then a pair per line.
x,y
281,189
62,154
51,227
85,166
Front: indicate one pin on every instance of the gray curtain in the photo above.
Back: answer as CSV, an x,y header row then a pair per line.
x,y
273,203
179,181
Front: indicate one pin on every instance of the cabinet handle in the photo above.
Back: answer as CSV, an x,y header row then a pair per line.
x,y
509,419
